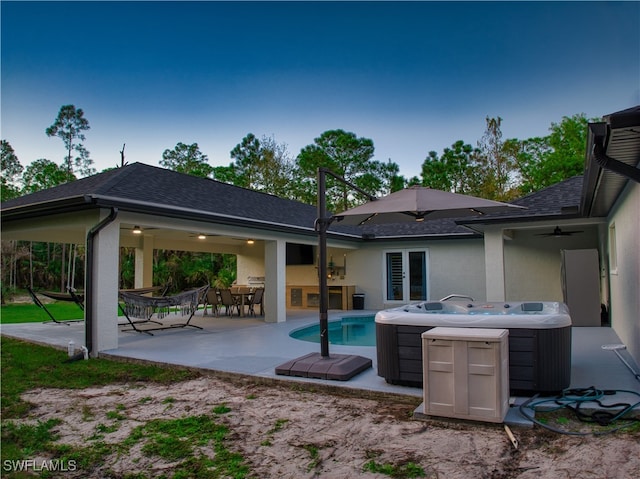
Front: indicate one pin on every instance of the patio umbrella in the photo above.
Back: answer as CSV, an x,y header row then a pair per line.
x,y
418,203
411,204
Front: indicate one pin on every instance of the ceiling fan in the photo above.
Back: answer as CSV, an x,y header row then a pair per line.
x,y
201,235
557,232
136,229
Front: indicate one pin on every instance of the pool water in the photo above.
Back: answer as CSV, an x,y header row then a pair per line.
x,y
349,331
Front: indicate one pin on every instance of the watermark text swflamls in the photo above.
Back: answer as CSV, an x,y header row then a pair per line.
x,y
25,465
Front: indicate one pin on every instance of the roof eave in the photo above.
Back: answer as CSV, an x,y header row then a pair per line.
x,y
427,237
64,205
474,223
612,157
143,207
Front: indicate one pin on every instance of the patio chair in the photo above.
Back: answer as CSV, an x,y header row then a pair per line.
x,y
256,299
211,299
72,296
229,302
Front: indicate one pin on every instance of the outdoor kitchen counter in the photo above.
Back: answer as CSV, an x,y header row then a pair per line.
x,y
340,297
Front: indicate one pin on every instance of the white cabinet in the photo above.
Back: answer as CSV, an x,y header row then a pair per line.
x,y
466,373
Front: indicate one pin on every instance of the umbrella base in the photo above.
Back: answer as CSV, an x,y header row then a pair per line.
x,y
340,367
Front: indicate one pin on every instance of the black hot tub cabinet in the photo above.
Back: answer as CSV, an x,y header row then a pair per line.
x,y
539,340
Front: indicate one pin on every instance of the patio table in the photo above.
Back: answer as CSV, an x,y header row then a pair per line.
x,y
242,297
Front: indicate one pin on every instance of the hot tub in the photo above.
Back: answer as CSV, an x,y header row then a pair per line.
x,y
539,339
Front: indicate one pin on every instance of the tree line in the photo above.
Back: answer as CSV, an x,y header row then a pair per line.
x,y
494,168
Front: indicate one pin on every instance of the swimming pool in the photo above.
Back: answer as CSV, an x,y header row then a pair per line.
x,y
348,331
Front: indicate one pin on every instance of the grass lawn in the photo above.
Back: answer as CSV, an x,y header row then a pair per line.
x,y
27,366
30,313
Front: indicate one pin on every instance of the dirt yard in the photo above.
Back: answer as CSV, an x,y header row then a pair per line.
x,y
286,433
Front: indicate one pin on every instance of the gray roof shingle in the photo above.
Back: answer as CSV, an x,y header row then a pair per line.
x,y
139,185
552,199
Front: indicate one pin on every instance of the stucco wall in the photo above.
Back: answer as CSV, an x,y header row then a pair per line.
x,y
533,263
250,262
624,282
457,267
454,267
302,275
364,270
532,267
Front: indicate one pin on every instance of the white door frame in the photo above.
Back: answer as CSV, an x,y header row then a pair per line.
x,y
403,274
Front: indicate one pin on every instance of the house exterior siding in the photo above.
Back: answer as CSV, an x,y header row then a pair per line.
x,y
624,280
453,267
533,264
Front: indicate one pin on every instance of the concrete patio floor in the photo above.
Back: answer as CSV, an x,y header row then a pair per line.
x,y
249,346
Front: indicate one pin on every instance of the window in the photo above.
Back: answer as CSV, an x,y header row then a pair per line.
x,y
613,250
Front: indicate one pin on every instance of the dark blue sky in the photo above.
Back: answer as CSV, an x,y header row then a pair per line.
x,y
413,77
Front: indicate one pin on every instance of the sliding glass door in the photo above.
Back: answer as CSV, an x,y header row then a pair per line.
x,y
406,275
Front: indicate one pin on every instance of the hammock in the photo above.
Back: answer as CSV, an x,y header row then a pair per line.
x,y
71,296
144,307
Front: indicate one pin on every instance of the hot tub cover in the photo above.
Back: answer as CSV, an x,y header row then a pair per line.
x,y
460,314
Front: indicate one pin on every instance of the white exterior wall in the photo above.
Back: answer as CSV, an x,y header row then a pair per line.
x,y
364,271
533,264
457,267
275,291
494,264
533,271
250,262
454,267
143,276
624,281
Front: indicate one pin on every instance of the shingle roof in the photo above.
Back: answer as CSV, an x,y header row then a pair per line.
x,y
552,199
156,189
558,200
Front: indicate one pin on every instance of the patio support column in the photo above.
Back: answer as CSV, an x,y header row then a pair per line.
x,y
494,264
105,289
143,276
275,254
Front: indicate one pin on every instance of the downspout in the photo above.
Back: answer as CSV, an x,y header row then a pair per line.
x,y
612,164
88,299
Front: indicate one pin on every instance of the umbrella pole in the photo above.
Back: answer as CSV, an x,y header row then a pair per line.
x,y
322,225
341,366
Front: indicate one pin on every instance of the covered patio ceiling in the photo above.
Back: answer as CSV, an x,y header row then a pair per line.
x,y
72,228
197,237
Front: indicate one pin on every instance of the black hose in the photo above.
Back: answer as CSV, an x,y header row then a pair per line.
x,y
76,357
573,399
